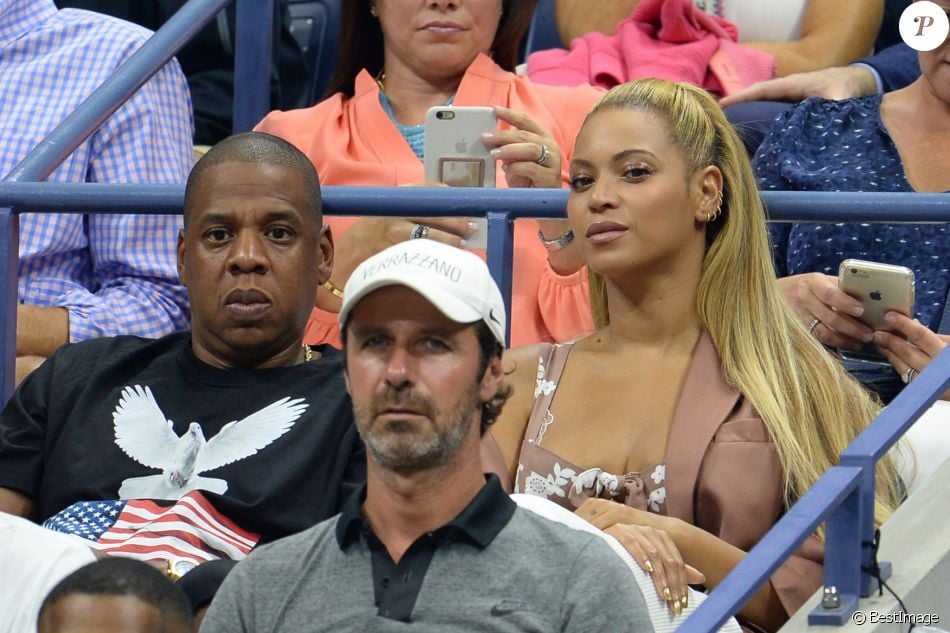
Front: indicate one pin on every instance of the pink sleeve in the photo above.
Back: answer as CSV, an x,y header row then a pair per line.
x,y
322,328
564,303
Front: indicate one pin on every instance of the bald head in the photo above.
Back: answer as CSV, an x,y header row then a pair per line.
x,y
259,148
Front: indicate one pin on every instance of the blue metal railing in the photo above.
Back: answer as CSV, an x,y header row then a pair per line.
x,y
501,206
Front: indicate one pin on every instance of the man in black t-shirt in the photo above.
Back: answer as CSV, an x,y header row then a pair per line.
x,y
200,444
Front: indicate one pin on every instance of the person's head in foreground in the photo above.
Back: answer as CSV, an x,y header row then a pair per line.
x,y
423,327
115,595
253,251
663,197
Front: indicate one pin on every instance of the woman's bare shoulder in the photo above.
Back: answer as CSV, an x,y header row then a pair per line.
x,y
521,368
522,360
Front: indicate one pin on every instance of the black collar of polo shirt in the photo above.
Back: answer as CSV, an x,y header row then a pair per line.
x,y
481,520
396,586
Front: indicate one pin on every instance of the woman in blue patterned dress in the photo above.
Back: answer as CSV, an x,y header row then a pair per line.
x,y
894,142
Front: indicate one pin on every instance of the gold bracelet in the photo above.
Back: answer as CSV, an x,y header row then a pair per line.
x,y
333,289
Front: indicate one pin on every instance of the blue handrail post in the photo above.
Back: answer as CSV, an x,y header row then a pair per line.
x,y
501,241
9,299
849,551
252,62
867,525
842,568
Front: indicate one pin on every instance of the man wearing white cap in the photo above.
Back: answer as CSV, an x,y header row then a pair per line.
x,y
431,540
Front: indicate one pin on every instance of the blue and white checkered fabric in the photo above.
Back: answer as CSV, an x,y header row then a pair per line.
x,y
115,273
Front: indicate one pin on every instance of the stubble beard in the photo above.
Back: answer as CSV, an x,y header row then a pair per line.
x,y
403,449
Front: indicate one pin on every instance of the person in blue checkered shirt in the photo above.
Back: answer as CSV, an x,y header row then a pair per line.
x,y
85,276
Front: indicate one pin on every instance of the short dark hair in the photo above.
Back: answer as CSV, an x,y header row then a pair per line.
x,y
118,576
202,583
489,348
361,41
257,147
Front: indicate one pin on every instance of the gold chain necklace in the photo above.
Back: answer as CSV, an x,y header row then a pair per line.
x,y
307,353
381,81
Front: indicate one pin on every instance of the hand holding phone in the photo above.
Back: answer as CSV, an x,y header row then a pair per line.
x,y
880,288
456,155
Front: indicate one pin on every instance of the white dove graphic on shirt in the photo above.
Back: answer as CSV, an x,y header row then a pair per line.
x,y
143,433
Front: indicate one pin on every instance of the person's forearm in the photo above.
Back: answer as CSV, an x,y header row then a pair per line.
x,y
26,365
17,504
575,17
834,33
715,558
41,330
794,57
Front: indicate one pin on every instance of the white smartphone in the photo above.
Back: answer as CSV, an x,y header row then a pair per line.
x,y
455,154
880,288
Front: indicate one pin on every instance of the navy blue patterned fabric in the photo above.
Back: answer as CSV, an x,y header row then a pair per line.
x,y
822,145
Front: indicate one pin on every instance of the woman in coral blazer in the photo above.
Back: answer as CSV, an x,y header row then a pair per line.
x,y
402,58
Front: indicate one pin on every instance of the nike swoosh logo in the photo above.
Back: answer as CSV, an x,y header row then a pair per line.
x,y
491,315
506,607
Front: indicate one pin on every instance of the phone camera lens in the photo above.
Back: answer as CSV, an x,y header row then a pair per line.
x,y
445,114
854,271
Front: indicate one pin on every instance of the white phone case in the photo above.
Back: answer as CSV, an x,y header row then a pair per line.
x,y
455,154
454,151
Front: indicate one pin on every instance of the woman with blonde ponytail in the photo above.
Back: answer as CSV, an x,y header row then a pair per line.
x,y
700,409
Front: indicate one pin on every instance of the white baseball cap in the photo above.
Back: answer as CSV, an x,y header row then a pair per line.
x,y
455,281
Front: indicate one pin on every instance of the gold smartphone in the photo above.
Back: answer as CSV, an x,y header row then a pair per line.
x,y
880,288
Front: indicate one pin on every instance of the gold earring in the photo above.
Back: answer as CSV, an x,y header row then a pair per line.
x,y
711,217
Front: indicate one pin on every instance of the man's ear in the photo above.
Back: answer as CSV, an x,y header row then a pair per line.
x,y
325,265
181,256
492,379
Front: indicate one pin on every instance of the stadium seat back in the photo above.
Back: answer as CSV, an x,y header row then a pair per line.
x,y
315,24
542,34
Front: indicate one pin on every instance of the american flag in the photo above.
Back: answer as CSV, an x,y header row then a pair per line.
x,y
191,529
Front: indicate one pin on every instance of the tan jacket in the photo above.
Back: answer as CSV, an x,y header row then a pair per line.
x,y
723,473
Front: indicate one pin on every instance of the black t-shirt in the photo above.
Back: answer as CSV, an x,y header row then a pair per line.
x,y
71,430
